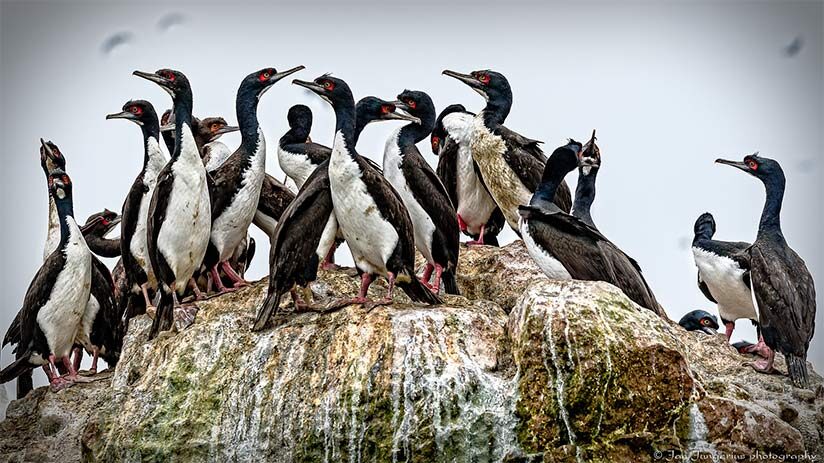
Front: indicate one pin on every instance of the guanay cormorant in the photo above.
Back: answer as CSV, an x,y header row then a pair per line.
x,y
236,184
782,286
478,215
510,164
433,215
180,212
565,247
371,215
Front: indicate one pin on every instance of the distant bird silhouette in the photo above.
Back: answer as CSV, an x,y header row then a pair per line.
x,y
794,47
115,41
170,20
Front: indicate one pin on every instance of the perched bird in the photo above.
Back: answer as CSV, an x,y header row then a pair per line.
x,y
167,129
180,212
478,215
699,320
297,155
510,164
134,240
724,277
308,227
275,197
96,228
369,211
56,298
782,286
52,162
588,169
236,184
433,215
564,247
213,152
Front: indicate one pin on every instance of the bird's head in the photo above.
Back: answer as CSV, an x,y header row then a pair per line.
x,y
212,128
590,156
174,82
438,136
370,109
415,103
333,90
141,112
757,166
490,84
700,320
51,159
704,225
101,223
260,81
563,160
300,118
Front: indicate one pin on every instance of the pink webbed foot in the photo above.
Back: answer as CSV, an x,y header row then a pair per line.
x,y
760,349
237,280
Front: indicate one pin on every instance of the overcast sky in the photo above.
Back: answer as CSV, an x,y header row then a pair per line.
x,y
670,86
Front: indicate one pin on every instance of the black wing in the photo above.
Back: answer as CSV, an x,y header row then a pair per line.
x,y
36,297
515,140
157,215
315,152
705,289
448,170
274,197
104,330
589,255
128,225
225,182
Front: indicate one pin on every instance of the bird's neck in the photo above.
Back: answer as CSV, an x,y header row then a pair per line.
x,y
247,119
770,224
585,196
183,117
345,124
151,129
102,246
295,135
553,176
496,111
65,211
413,133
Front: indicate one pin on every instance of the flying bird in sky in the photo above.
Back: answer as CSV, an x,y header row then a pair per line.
x,y
115,41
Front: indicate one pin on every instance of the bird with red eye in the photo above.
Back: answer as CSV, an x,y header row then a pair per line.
x,y
50,158
700,320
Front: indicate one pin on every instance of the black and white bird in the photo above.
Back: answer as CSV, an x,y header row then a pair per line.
x,y
782,286
52,162
370,213
180,211
298,156
236,185
564,247
509,163
588,169
434,218
478,215
699,320
308,228
134,241
275,197
56,299
95,230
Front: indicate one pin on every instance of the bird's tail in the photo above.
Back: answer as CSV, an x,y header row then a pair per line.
x,y
165,315
450,283
797,367
20,366
24,384
416,290
269,308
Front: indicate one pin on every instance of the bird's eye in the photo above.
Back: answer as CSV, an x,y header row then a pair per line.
x,y
170,75
215,126
436,142
104,221
265,75
411,103
705,322
752,164
328,85
483,78
387,108
136,110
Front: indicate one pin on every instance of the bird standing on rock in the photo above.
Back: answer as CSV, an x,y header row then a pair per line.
x,y
782,286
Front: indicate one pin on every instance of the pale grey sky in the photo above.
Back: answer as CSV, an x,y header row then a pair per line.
x,y
670,86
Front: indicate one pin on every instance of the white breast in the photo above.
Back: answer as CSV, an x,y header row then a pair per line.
x,y
504,186
232,225
547,263
83,336
53,233
184,235
327,237
422,223
724,278
60,317
295,165
139,242
370,238
215,154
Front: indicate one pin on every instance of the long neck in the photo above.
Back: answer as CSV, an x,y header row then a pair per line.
x,y
103,247
64,211
545,194
413,133
297,134
183,116
151,129
585,196
771,215
345,124
496,110
246,106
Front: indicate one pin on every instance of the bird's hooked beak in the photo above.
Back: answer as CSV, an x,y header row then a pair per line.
x,y
468,79
123,115
170,127
737,164
404,116
315,88
280,75
151,76
709,330
48,149
50,159
223,130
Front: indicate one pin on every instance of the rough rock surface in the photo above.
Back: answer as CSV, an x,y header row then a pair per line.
x,y
521,369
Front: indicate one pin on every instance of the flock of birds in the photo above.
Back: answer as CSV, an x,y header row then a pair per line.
x,y
184,223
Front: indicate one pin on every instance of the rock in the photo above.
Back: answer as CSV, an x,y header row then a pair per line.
x,y
520,369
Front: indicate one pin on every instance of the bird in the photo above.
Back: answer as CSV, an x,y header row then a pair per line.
x,y
478,215
236,185
434,219
308,227
509,163
95,229
588,169
134,240
180,211
56,298
167,125
699,320
213,152
369,211
782,286
275,197
564,247
298,156
724,277
52,162
115,41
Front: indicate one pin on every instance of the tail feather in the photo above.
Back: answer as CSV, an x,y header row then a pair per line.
x,y
24,384
164,317
265,312
20,366
418,292
797,367
450,284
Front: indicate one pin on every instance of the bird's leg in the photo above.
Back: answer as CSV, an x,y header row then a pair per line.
x,y
144,288
238,280
329,261
436,287
56,382
480,240
765,365
195,289
72,375
95,353
217,281
427,275
297,299
461,223
78,357
761,349
729,327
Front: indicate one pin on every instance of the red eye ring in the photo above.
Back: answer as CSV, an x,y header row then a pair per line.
x,y
411,103
483,78
328,85
170,75
436,141
752,164
265,75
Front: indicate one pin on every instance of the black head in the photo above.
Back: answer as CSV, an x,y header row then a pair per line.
x,y
174,82
563,160
700,320
211,128
439,134
757,166
416,103
101,223
258,82
590,156
300,117
51,159
704,225
490,84
335,91
141,112
370,109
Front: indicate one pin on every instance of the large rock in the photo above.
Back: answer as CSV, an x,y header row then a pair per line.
x,y
524,369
